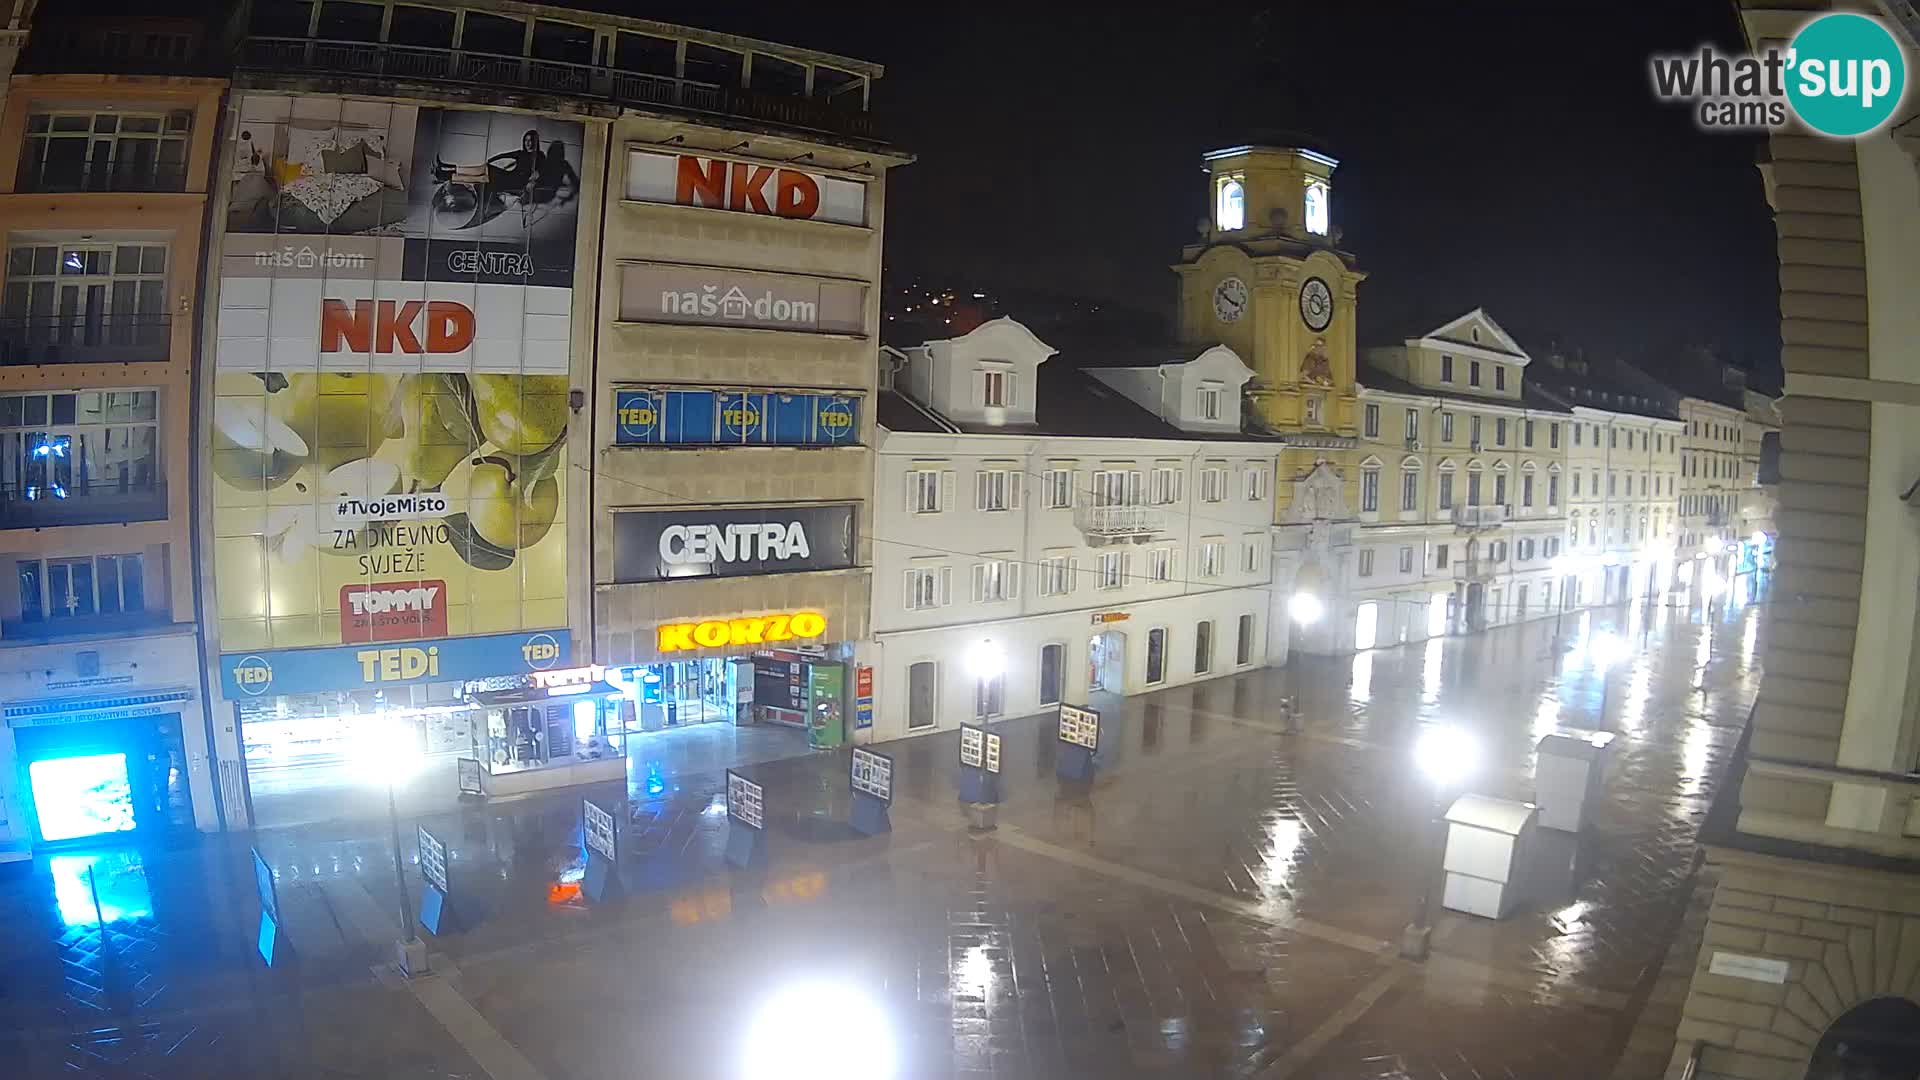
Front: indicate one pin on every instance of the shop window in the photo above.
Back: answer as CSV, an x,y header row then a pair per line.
x,y
562,42
1052,663
427,28
106,151
710,65
494,34
349,21
57,590
1203,647
1156,656
89,457
921,680
1243,642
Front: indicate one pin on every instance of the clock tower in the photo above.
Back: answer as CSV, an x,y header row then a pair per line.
x,y
1267,279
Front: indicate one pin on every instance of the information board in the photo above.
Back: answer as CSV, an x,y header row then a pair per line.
x,y
872,774
1080,727
469,776
979,748
433,859
599,829
746,801
263,881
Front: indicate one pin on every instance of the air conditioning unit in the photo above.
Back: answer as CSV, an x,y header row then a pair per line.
x,y
1476,446
1413,444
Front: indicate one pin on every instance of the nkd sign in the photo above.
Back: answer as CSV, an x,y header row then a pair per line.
x,y
744,187
661,545
716,296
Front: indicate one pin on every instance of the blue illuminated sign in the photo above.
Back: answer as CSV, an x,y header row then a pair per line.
x,y
380,665
734,418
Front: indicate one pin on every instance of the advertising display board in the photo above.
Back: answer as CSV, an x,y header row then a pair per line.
x,y
871,774
354,667
390,413
746,801
662,545
662,417
723,296
1080,727
745,187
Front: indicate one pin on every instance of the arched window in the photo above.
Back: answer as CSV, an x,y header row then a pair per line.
x,y
1231,211
1872,1040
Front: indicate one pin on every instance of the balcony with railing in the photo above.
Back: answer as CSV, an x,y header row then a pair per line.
x,y
53,505
1120,524
82,339
1479,517
388,61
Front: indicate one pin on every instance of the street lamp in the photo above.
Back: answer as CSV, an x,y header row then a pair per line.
x,y
1446,756
1715,545
1607,649
987,661
819,1031
1305,608
1558,568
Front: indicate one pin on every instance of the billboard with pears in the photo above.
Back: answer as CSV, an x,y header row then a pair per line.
x,y
389,420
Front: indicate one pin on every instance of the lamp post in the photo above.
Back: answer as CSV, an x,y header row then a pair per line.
x,y
987,661
409,950
1558,568
1445,756
1607,649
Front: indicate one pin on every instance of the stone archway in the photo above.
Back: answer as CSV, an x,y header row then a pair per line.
x,y
1878,1039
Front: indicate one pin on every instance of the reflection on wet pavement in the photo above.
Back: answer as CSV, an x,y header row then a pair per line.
x,y
1219,901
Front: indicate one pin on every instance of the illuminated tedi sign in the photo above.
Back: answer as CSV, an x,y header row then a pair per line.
x,y
752,630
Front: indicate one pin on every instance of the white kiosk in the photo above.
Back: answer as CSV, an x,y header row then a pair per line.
x,y
1486,840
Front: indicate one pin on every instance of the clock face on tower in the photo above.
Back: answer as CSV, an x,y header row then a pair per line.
x,y
1316,304
1229,299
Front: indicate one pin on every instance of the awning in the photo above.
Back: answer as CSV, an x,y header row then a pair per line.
x,y
537,695
41,712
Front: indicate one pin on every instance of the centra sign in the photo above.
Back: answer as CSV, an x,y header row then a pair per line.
x,y
751,630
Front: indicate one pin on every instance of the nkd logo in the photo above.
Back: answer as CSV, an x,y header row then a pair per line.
x,y
737,185
768,542
393,326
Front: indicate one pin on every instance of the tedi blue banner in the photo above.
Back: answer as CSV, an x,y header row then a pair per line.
x,y
354,667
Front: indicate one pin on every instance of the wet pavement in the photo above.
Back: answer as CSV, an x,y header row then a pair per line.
x,y
1226,899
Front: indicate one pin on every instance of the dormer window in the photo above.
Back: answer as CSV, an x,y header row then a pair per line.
x,y
1209,401
996,388
1230,207
1474,333
1318,215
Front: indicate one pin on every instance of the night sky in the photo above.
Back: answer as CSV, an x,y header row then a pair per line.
x,y
1509,156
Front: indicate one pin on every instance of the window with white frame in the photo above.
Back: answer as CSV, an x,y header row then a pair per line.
x,y
1213,484
1553,436
996,388
1473,430
93,447
1213,558
1250,553
1056,488
1161,562
1413,425
1230,205
1409,489
1371,420
997,489
1113,570
1256,483
1446,427
1366,562
1499,489
1209,401
1369,491
1446,368
1056,575
1116,487
1526,490
1553,489
1499,376
88,294
1163,488
1406,558
54,589
1576,481
1446,491
928,587
996,579
1441,553
924,487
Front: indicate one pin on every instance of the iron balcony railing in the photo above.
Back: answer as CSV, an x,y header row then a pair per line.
x,y
103,175
1479,517
1113,522
85,339
281,56
52,506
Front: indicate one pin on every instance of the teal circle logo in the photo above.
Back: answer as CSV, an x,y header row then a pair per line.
x,y
253,675
1845,75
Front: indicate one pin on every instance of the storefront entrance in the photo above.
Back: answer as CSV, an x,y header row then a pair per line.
x,y
1107,662
98,780
685,692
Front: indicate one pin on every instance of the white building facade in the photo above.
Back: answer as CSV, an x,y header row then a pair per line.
x,y
1026,555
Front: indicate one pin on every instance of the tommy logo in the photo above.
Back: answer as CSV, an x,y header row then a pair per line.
x,y
396,611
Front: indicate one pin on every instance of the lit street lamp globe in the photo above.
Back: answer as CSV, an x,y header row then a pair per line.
x,y
1446,755
986,660
1305,608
